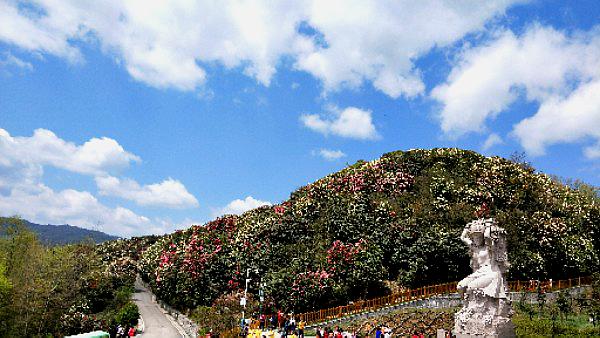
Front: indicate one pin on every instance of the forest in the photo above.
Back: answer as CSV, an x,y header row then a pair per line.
x,y
59,290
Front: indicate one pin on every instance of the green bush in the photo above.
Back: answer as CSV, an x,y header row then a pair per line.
x,y
128,315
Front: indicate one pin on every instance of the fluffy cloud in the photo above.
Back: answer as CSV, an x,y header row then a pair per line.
x,y
40,204
376,41
96,156
568,119
557,70
239,206
341,43
330,155
351,122
492,140
169,193
22,162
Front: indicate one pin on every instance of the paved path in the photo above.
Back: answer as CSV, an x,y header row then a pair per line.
x,y
156,322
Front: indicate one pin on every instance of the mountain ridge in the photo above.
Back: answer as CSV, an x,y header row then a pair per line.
x,y
61,234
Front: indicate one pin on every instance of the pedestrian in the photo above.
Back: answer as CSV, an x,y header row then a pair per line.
x,y
378,332
387,333
301,325
131,332
274,321
279,318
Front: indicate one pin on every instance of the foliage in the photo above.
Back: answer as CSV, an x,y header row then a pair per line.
x,y
128,315
545,326
396,219
55,290
225,313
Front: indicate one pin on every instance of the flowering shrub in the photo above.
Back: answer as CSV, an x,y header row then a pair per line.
x,y
396,219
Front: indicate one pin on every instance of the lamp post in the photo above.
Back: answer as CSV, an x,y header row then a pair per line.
x,y
261,295
243,300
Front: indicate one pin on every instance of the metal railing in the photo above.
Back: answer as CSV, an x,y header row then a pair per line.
x,y
427,292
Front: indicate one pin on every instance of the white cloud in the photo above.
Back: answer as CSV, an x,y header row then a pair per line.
x,y
239,206
556,70
492,140
165,226
592,152
96,156
22,162
40,204
13,61
165,43
330,155
351,122
169,193
375,40
561,120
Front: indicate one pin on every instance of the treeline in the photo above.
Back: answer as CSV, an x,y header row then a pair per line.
x,y
59,290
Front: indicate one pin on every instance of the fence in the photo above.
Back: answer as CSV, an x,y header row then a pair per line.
x,y
427,292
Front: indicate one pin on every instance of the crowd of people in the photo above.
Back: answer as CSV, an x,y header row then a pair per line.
x,y
284,325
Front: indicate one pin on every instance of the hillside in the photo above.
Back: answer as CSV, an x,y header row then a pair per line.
x,y
379,225
63,234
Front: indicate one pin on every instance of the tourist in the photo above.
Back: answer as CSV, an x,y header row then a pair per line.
x,y
274,321
337,333
301,325
279,318
326,332
387,332
120,331
318,332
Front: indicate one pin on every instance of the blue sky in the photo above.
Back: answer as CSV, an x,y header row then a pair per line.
x,y
134,118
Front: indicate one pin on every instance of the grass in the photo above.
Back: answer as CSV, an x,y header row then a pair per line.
x,y
575,325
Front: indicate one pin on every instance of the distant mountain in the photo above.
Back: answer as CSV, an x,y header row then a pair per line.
x,y
62,234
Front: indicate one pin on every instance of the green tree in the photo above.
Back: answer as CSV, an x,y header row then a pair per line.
x,y
128,315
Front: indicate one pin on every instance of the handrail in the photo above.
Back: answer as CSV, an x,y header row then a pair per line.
x,y
424,292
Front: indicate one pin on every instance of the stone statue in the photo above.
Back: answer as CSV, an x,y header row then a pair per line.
x,y
486,310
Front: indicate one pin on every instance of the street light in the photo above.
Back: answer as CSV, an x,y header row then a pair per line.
x,y
243,300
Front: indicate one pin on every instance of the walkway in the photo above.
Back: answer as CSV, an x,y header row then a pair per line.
x,y
156,322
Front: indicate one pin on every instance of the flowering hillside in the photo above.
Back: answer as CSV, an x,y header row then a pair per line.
x,y
376,226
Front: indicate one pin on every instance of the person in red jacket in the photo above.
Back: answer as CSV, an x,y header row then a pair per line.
x,y
279,318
